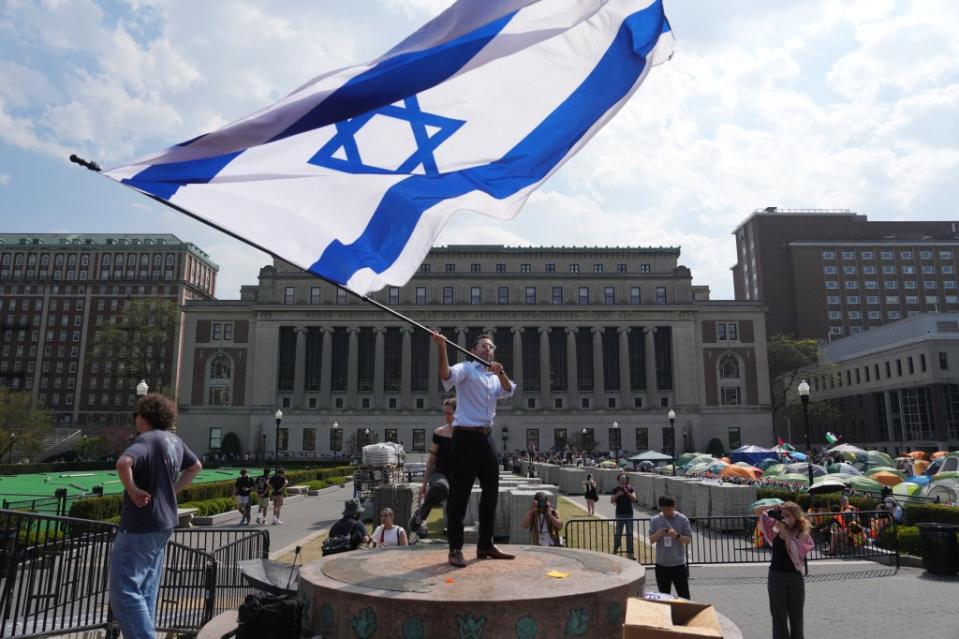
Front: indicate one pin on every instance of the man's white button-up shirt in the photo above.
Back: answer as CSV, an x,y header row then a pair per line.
x,y
476,393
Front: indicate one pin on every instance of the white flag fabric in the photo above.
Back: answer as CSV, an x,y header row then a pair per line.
x,y
353,175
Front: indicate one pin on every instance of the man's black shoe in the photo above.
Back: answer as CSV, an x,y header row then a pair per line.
x,y
492,553
456,559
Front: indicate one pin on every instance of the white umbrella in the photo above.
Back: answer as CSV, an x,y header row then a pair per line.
x,y
845,448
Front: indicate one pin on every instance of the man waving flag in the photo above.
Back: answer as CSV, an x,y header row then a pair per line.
x,y
353,175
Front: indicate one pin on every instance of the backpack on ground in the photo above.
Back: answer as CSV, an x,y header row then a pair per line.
x,y
269,617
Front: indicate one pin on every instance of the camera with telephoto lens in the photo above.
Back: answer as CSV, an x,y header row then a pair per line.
x,y
541,503
776,514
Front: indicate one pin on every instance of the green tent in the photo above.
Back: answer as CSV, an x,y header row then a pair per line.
x,y
906,489
865,484
775,470
794,477
840,477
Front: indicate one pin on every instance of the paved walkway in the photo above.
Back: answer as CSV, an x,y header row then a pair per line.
x,y
846,599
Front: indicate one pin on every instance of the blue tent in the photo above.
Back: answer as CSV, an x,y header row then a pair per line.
x,y
752,454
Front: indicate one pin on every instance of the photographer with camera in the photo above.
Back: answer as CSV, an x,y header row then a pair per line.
x,y
786,529
671,532
624,497
543,522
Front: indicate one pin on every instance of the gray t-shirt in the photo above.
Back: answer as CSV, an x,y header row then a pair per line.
x,y
670,552
158,458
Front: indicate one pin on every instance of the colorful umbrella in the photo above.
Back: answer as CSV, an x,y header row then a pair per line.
x,y
793,478
878,458
739,471
919,480
886,478
948,474
844,468
845,448
886,469
766,463
827,486
803,469
840,477
769,501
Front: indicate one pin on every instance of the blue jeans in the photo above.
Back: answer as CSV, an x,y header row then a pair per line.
x,y
624,521
136,565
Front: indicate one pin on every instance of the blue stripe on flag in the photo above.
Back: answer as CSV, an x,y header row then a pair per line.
x,y
397,78
398,213
163,180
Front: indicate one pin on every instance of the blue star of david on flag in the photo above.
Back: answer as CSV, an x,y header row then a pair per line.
x,y
344,142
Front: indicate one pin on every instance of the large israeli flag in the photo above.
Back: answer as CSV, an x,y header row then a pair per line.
x,y
353,175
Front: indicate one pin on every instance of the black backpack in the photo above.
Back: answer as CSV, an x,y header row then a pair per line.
x,y
340,543
270,617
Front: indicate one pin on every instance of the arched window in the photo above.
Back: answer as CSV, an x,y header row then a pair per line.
x,y
219,380
730,389
729,367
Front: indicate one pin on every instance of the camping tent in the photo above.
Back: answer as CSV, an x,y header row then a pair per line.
x,y
752,454
650,455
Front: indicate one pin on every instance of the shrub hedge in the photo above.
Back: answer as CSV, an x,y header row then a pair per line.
x,y
805,500
211,507
104,508
932,513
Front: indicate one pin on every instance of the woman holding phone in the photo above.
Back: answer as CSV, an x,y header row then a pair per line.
x,y
786,529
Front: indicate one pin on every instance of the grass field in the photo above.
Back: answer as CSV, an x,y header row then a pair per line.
x,y
18,487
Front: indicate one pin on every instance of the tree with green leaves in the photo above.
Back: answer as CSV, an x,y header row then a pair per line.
x,y
139,344
790,361
23,426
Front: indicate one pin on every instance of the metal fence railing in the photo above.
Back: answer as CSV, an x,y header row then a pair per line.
x,y
54,575
723,540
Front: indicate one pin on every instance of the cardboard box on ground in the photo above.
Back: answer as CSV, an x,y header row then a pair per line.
x,y
669,619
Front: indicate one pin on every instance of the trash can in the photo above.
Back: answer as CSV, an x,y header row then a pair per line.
x,y
940,551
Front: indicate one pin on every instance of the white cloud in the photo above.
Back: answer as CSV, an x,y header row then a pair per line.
x,y
4,179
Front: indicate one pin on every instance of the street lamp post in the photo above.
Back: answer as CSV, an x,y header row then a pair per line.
x,y
671,415
619,444
278,416
505,434
803,389
142,388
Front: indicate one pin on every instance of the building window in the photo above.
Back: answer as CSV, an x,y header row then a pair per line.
x,y
597,268
583,295
634,295
645,268
314,295
894,315
557,295
420,295
475,268
309,439
216,438
729,381
642,439
922,362
885,255
828,255
727,331
394,295
574,268
289,295
730,396
219,380
424,268
943,362
620,268
502,295
530,294
609,295
475,295
615,439
283,439
419,440
451,268
848,255
447,294
532,439
852,299
550,268
660,294
829,270
391,435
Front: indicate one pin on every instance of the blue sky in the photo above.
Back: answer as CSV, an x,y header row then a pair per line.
x,y
839,104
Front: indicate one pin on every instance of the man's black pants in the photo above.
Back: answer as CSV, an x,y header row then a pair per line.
x,y
474,456
668,576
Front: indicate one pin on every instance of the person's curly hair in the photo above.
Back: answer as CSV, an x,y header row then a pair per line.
x,y
157,410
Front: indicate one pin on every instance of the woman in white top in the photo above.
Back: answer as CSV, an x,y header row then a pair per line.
x,y
387,533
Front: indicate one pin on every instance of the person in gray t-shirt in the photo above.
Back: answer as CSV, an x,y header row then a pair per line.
x,y
671,533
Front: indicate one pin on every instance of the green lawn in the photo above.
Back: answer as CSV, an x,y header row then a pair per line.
x,y
18,487
598,537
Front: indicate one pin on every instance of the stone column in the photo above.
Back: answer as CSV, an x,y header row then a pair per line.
x,y
544,367
406,368
461,341
352,368
571,386
326,367
625,379
518,367
651,397
299,368
599,377
433,385
378,365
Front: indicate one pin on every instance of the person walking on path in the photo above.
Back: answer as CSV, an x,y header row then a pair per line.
x,y
152,470
592,494
262,495
388,533
671,532
787,531
474,450
624,497
436,480
278,484
242,489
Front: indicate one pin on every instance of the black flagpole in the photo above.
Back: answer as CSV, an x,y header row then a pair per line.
x,y
93,166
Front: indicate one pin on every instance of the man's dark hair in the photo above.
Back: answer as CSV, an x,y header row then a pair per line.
x,y
621,475
157,410
280,471
477,339
243,471
666,501
266,471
